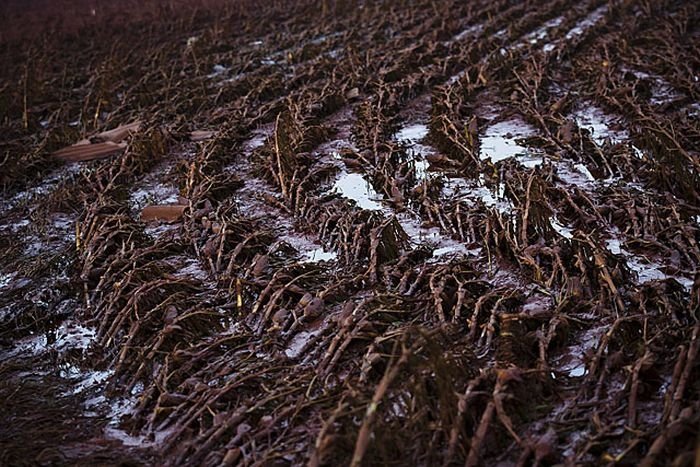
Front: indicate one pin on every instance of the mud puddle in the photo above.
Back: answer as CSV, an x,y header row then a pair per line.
x,y
587,23
507,139
601,125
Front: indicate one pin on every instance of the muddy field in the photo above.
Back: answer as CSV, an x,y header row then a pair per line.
x,y
352,233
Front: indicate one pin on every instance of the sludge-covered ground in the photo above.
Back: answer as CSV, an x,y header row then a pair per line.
x,y
365,233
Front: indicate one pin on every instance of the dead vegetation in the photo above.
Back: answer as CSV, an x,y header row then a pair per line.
x,y
466,310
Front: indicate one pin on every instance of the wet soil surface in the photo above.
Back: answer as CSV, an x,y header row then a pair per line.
x,y
364,233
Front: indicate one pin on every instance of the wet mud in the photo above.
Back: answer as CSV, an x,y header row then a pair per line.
x,y
353,233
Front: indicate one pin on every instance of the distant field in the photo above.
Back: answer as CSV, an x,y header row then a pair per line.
x,y
25,19
350,233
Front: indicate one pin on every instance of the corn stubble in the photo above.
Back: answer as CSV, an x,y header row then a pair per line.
x,y
535,348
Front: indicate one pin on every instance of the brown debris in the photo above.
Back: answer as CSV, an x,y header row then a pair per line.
x,y
201,135
118,134
88,152
171,213
100,146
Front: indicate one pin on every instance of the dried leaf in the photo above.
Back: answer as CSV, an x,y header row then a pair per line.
x,y
88,152
171,213
120,133
201,135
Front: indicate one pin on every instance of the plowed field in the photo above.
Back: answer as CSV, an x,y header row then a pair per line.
x,y
350,233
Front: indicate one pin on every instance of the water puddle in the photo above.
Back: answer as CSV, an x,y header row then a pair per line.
x,y
5,279
562,230
117,410
583,170
503,140
460,188
471,31
63,223
29,346
218,71
693,109
191,268
153,193
335,54
73,335
354,187
430,236
334,149
456,249
413,134
15,226
573,361
318,254
542,32
309,250
599,124
587,22
578,30
578,176
299,343
156,230
89,380
45,187
662,91
614,246
646,269
417,233
324,37
233,79
258,140
69,336
455,78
